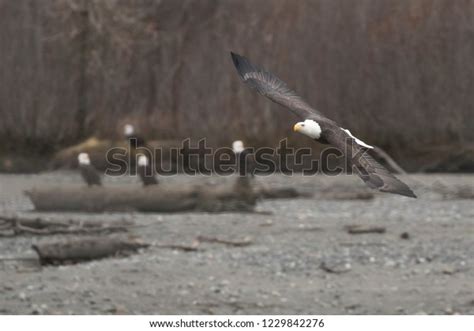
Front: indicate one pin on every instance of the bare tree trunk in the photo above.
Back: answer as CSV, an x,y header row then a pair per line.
x,y
83,67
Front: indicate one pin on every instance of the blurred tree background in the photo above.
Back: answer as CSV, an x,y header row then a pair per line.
x,y
397,73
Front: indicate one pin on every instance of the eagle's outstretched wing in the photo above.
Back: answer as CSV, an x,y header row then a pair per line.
x,y
273,88
372,173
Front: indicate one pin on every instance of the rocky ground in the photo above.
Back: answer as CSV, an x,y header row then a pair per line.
x,y
300,258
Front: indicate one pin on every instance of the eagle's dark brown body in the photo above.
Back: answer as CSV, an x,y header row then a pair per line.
x,y
136,141
246,163
90,175
147,175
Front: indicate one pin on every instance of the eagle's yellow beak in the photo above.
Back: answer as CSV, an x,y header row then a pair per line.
x,y
297,127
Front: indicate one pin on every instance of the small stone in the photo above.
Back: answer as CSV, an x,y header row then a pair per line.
x,y
420,260
335,267
8,288
405,235
449,271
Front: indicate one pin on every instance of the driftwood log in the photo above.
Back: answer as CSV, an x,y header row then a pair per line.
x,y
159,198
15,225
454,192
246,184
281,193
240,196
84,249
363,229
101,199
344,195
235,243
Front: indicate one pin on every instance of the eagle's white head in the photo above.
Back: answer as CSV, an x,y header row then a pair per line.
x,y
128,129
238,146
309,128
84,159
142,161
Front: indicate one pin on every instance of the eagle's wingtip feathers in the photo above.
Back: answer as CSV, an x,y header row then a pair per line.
x,y
237,59
406,193
242,65
235,56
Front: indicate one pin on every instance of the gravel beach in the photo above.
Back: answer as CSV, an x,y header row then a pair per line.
x,y
299,257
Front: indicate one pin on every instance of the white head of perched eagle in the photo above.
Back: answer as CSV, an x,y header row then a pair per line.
x,y
143,161
238,146
83,159
90,175
128,130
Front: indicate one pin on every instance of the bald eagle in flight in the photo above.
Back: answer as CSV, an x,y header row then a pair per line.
x,y
88,172
320,128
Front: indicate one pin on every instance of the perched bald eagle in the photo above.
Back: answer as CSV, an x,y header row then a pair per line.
x,y
88,172
245,159
145,171
134,139
320,128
